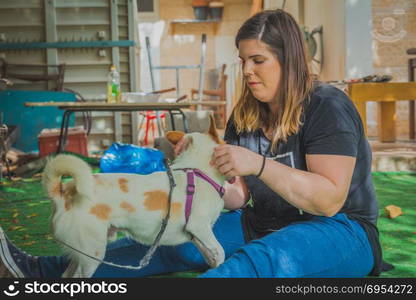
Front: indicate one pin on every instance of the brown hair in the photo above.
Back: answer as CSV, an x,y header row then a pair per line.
x,y
279,30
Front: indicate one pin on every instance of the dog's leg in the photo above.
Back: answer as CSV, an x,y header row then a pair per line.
x,y
88,270
204,239
89,265
112,234
84,268
71,269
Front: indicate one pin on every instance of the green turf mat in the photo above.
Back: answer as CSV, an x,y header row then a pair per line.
x,y
398,236
25,214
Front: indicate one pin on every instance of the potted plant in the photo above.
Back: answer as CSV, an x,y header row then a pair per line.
x,y
200,9
216,8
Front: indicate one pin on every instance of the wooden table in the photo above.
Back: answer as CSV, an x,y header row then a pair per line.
x,y
71,107
385,94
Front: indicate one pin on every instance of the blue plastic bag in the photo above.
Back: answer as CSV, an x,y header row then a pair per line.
x,y
127,158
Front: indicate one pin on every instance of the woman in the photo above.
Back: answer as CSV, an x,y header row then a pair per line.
x,y
298,150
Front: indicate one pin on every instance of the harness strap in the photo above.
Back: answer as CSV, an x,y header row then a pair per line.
x,y
146,259
219,188
190,188
190,191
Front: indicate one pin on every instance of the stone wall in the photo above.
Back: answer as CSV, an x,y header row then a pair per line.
x,y
394,31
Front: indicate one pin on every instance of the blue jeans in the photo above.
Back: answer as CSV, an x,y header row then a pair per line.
x,y
320,247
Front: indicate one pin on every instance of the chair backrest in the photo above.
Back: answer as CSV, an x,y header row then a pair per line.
x,y
21,71
222,85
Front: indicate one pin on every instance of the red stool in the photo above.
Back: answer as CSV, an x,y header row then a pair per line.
x,y
150,117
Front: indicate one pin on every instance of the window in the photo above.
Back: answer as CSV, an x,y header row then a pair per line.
x,y
148,10
145,6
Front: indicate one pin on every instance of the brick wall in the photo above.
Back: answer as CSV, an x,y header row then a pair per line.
x,y
394,31
181,43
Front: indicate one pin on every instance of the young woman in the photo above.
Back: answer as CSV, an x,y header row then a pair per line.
x,y
297,149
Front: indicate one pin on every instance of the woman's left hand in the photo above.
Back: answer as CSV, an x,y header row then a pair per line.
x,y
236,161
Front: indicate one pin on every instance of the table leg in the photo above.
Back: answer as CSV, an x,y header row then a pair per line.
x,y
362,111
411,119
172,121
386,120
185,121
64,131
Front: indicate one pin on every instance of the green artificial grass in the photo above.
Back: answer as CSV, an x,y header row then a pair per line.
x,y
398,235
25,215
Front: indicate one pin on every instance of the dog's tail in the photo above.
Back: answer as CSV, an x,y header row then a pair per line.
x,y
68,165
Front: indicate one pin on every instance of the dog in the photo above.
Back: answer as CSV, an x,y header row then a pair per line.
x,y
199,121
88,208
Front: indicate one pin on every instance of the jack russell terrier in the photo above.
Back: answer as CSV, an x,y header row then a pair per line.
x,y
88,209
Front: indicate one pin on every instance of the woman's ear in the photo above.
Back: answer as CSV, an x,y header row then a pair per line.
x,y
174,136
213,132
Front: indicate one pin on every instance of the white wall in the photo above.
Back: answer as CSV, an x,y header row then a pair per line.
x,y
359,58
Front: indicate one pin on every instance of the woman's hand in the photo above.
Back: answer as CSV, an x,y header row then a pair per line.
x,y
236,161
180,146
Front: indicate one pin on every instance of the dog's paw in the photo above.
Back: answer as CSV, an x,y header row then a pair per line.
x,y
217,257
214,256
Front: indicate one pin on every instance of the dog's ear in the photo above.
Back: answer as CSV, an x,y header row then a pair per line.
x,y
213,132
174,136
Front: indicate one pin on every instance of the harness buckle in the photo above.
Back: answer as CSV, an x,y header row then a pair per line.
x,y
190,189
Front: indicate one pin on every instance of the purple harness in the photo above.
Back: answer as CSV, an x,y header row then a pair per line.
x,y
190,187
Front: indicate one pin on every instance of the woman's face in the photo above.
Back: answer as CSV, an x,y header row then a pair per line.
x,y
261,69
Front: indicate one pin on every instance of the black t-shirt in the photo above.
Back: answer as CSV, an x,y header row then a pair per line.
x,y
331,125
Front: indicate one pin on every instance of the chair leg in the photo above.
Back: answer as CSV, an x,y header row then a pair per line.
x,y
146,133
153,129
223,117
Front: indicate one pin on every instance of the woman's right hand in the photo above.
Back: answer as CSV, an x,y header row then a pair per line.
x,y
231,161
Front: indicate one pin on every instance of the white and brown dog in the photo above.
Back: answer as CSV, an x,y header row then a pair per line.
x,y
88,207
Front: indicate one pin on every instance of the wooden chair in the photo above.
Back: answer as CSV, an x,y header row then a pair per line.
x,y
20,71
386,94
411,74
221,94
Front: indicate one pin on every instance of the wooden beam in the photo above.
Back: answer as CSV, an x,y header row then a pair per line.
x,y
388,91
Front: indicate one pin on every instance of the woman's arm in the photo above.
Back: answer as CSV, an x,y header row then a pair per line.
x,y
236,194
321,190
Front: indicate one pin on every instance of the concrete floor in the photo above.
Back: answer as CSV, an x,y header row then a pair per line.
x,y
394,157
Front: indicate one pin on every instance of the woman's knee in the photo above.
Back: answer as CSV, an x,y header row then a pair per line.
x,y
256,260
271,260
